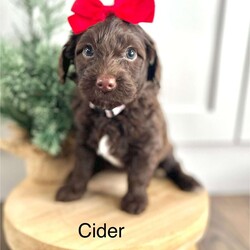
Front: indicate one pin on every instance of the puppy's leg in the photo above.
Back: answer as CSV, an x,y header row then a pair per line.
x,y
140,171
76,183
175,173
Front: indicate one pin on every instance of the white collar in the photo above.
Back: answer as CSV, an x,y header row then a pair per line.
x,y
109,113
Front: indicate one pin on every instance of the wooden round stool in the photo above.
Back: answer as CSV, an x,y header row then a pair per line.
x,y
33,220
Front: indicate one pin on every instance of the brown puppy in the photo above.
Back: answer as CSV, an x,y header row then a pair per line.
x,y
118,73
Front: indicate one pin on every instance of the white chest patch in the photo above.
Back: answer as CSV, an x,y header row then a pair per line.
x,y
104,151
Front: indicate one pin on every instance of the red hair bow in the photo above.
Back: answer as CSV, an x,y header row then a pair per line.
x,y
90,12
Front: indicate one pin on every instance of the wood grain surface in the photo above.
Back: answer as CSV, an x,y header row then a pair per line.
x,y
173,220
217,234
229,224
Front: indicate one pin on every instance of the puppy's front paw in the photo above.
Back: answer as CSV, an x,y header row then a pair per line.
x,y
133,203
68,193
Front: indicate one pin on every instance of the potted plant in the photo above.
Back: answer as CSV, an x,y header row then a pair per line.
x,y
33,98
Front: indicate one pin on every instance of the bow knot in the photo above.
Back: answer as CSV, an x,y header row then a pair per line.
x,y
89,12
108,10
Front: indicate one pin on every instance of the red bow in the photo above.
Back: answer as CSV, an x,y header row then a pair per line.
x,y
90,12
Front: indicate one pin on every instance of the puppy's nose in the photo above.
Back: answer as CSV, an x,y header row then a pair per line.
x,y
106,83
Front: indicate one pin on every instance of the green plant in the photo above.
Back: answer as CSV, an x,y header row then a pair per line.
x,y
31,94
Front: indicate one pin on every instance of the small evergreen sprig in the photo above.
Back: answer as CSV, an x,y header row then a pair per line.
x,y
31,94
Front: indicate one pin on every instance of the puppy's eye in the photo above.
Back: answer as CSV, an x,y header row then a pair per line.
x,y
131,54
88,51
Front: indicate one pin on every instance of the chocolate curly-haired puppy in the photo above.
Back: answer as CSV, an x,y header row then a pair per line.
x,y
117,73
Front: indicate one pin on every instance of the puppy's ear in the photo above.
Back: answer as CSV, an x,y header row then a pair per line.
x,y
67,57
154,68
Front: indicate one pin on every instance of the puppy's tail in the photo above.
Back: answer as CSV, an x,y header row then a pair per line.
x,y
175,173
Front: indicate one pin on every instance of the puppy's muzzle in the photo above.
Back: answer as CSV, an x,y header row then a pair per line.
x,y
106,83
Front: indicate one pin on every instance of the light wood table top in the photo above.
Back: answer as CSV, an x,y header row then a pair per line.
x,y
173,220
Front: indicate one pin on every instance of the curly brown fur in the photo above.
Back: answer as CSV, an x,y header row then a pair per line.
x,y
138,134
